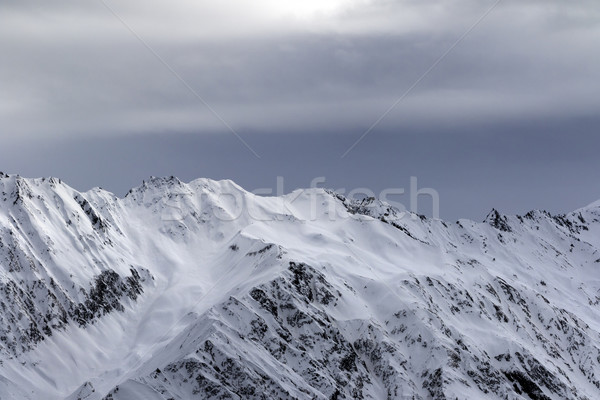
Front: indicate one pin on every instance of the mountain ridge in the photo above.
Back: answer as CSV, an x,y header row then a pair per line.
x,y
204,290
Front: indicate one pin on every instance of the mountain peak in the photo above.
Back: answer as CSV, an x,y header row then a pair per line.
x,y
498,221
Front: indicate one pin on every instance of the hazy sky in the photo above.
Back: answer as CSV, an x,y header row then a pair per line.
x,y
109,93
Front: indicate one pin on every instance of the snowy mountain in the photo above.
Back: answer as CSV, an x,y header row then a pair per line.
x,y
206,291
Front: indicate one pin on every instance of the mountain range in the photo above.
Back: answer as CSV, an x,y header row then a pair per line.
x,y
203,290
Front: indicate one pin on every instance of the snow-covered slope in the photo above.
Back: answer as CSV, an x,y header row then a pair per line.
x,y
203,290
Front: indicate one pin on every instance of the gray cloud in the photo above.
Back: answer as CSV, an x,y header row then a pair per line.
x,y
72,68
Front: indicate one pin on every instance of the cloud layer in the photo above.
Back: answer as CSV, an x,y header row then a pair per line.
x,y
72,68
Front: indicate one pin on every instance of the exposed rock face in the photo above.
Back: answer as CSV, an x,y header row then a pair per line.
x,y
31,311
174,293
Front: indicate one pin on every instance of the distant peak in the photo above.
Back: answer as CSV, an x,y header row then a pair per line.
x,y
154,182
160,181
498,221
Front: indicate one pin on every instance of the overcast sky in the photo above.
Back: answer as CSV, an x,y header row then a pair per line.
x,y
107,94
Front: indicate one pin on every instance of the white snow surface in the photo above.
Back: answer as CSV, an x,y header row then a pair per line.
x,y
308,295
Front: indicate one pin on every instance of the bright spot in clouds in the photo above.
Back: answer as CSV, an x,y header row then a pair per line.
x,y
305,8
